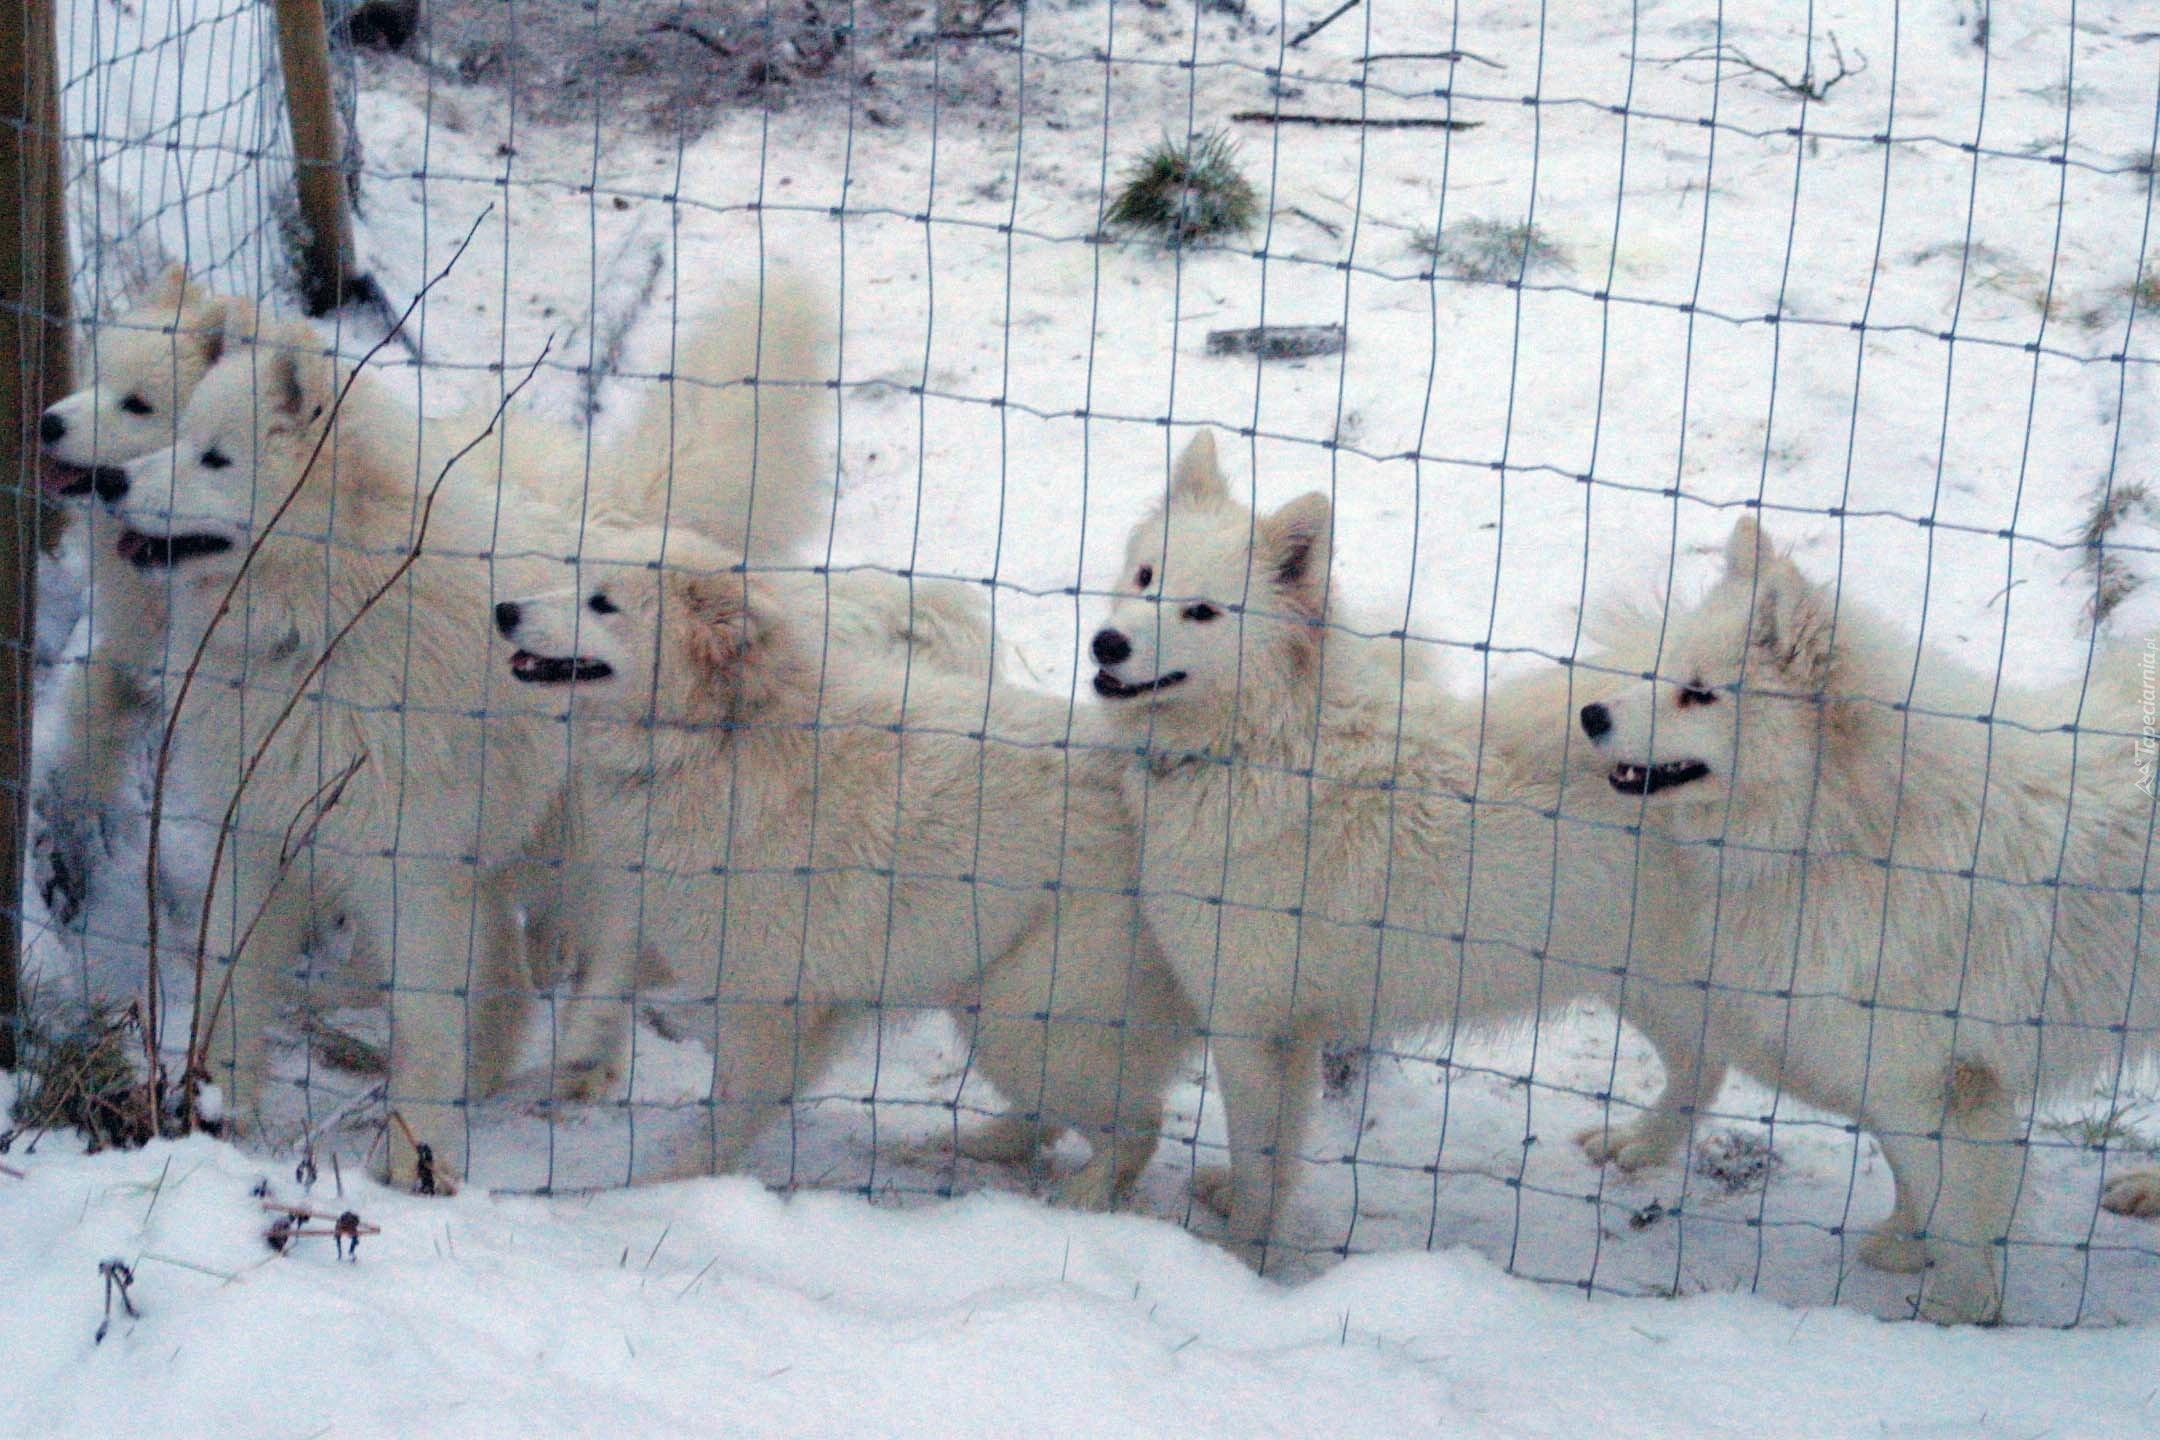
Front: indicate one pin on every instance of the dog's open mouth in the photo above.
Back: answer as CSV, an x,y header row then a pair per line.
x,y
1110,687
155,552
64,477
1649,779
557,669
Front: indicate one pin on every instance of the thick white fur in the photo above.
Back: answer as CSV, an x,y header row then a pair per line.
x,y
1309,858
1925,886
142,367
799,863
457,789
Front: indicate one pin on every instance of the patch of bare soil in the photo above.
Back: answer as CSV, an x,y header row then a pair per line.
x,y
673,67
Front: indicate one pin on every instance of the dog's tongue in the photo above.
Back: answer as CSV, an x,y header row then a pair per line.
x,y
56,477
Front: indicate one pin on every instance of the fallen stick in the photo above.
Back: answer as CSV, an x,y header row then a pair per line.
x,y
1377,122
1448,55
1278,342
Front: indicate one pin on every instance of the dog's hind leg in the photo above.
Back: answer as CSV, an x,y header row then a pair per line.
x,y
1951,1140
760,1065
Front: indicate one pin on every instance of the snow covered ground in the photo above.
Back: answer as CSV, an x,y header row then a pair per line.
x,y
1947,242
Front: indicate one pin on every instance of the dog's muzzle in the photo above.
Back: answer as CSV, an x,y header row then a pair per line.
x,y
557,669
163,552
1649,779
1110,687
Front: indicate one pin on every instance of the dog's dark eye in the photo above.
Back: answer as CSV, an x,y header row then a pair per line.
x,y
215,459
1692,695
601,605
1201,613
136,405
1146,577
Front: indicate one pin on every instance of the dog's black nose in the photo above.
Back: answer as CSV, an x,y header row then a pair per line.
x,y
1111,647
507,616
1596,721
110,482
51,428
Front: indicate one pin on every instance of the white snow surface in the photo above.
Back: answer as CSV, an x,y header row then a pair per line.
x,y
719,1308
1961,473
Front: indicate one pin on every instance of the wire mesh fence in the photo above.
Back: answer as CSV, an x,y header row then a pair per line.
x,y
1110,600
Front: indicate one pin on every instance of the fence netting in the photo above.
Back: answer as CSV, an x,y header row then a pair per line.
x,y
589,828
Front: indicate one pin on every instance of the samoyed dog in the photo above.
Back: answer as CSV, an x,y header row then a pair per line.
x,y
338,739
1330,852
804,830
1928,890
142,366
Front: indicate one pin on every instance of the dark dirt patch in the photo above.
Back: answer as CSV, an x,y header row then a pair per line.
x,y
675,66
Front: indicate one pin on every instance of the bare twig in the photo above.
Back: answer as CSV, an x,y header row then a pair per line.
x,y
1374,122
315,809
343,1227
118,1277
1450,56
1323,22
674,25
1333,230
424,1179
154,1078
12,1173
1807,87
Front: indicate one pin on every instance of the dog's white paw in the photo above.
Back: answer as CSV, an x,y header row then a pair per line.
x,y
1643,1145
1964,1295
1894,1251
1006,1140
2136,1193
1211,1187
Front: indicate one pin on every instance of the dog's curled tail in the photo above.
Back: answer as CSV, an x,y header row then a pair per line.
x,y
736,445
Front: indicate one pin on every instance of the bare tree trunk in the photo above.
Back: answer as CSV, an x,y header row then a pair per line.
x,y
35,369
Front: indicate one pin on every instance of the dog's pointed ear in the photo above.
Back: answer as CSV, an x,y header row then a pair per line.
x,y
205,329
730,621
1795,624
1747,547
298,381
1294,548
1197,478
172,289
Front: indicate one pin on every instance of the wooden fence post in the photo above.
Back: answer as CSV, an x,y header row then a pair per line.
x,y
36,368
329,274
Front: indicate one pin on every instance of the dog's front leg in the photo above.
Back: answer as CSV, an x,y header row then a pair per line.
x,y
442,949
1674,1021
1267,1098
101,700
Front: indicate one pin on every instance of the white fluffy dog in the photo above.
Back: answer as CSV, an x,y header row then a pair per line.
x,y
1922,921
802,830
142,367
1314,865
334,559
